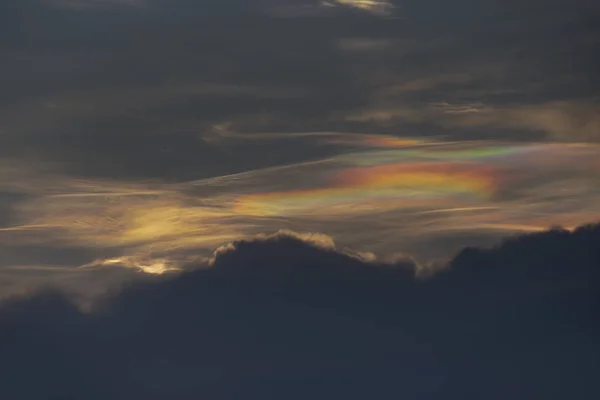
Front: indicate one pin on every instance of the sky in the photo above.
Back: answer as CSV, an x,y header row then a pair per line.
x,y
176,176
151,131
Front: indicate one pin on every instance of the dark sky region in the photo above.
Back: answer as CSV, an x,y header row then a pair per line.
x,y
297,199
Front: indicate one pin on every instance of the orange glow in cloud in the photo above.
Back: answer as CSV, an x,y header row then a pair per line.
x,y
437,177
377,187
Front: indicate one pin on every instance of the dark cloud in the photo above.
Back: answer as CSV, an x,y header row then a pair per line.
x,y
69,80
281,318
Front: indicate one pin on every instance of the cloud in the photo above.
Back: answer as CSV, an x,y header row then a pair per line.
x,y
564,121
173,131
280,318
151,266
149,80
432,197
377,7
567,121
83,286
296,241
377,187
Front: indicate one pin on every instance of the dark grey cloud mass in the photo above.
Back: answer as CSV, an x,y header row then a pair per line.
x,y
282,318
134,82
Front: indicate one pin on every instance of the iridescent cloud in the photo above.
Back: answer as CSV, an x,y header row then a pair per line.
x,y
376,188
379,194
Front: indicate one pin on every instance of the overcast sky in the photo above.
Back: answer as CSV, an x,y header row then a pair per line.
x,y
299,199
144,134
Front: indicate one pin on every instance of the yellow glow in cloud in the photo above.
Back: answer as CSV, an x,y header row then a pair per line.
x,y
157,266
106,214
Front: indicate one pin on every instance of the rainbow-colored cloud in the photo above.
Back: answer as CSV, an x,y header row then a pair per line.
x,y
378,187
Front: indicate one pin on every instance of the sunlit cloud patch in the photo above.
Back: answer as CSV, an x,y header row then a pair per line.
x,y
411,190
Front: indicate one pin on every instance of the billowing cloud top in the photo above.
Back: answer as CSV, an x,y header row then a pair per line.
x,y
281,317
